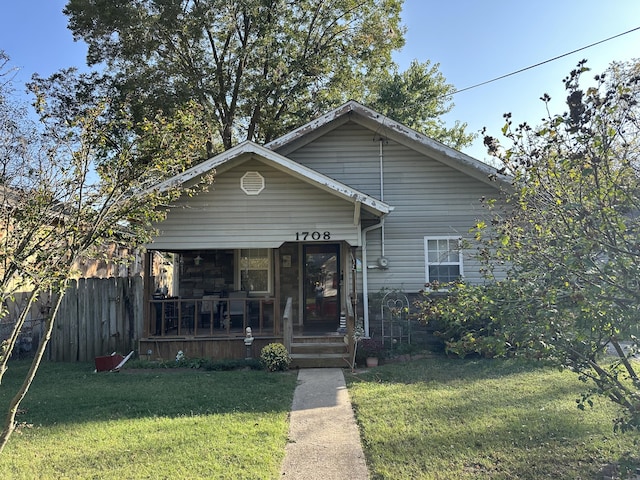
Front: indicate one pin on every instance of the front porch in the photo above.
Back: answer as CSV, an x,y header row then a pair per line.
x,y
204,301
204,328
209,298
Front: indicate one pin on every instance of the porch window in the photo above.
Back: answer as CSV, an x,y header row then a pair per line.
x,y
443,259
255,270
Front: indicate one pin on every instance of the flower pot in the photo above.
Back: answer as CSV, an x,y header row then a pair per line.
x,y
372,361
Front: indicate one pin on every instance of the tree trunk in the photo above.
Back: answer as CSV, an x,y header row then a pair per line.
x,y
10,420
9,344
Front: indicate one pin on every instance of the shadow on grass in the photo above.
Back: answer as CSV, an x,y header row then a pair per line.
x,y
65,393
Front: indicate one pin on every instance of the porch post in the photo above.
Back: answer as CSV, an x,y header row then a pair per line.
x,y
146,296
288,325
276,294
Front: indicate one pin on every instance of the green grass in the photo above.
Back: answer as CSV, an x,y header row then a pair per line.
x,y
147,424
428,419
489,419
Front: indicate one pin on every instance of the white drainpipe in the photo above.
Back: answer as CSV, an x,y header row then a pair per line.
x,y
365,268
382,188
365,274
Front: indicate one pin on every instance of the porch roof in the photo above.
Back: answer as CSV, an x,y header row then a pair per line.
x,y
250,150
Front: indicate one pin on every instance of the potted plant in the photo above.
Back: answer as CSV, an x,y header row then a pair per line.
x,y
371,350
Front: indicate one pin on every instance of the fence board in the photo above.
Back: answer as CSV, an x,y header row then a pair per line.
x,y
103,318
97,317
82,326
96,320
73,323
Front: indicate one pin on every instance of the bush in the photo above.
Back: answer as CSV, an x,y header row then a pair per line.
x,y
275,358
485,320
370,347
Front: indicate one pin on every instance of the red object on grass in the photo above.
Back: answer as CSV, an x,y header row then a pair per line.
x,y
108,363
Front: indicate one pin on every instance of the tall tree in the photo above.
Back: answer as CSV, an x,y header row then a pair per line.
x,y
259,67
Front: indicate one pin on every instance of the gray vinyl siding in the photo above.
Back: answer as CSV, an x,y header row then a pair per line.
x,y
348,154
225,217
429,199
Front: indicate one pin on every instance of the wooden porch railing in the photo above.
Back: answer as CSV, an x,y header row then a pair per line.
x,y
211,316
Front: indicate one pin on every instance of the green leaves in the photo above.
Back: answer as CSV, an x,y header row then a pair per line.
x,y
570,233
257,68
417,98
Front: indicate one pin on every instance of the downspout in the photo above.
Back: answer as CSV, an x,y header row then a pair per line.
x,y
381,156
365,273
380,225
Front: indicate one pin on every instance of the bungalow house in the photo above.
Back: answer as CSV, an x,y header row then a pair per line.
x,y
294,237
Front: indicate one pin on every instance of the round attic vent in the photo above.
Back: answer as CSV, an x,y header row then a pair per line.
x,y
252,183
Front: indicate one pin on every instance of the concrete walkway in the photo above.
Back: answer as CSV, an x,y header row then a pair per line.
x,y
324,441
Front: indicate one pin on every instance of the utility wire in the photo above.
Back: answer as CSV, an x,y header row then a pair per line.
x,y
542,63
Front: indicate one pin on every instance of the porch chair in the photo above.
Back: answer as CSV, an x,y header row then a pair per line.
x,y
210,309
237,308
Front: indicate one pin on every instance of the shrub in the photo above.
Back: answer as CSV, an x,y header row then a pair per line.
x,y
275,358
370,347
485,320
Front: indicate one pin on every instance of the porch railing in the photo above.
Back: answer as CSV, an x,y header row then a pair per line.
x,y
208,317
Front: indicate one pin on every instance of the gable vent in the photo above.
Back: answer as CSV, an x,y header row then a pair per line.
x,y
252,183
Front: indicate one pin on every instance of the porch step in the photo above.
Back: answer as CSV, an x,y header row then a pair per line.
x,y
318,352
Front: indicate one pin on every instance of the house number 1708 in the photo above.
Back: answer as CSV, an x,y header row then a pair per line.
x,y
313,236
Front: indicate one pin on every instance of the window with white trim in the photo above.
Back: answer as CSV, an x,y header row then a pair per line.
x,y
254,265
443,259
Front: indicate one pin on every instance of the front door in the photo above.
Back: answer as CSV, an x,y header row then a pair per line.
x,y
321,287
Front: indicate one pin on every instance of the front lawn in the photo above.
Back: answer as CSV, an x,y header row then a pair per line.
x,y
152,424
487,419
427,419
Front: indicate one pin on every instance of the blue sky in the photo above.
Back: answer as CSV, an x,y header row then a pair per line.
x,y
472,41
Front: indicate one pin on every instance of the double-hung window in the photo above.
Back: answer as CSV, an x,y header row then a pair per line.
x,y
443,259
255,270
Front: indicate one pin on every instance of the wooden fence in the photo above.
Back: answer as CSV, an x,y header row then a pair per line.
x,y
98,316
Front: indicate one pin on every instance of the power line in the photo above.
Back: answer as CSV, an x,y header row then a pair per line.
x,y
546,61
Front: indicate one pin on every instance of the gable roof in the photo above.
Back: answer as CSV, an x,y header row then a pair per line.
x,y
387,128
250,149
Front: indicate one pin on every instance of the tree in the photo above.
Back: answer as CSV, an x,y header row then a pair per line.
x,y
259,68
72,186
418,98
569,236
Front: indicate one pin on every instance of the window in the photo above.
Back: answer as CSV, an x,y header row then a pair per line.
x,y
443,259
255,270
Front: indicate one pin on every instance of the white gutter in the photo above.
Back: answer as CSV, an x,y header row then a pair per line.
x,y
365,273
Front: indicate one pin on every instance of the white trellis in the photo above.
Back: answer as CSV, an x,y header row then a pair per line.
x,y
396,326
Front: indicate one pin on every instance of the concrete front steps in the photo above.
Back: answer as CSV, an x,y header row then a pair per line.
x,y
319,352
